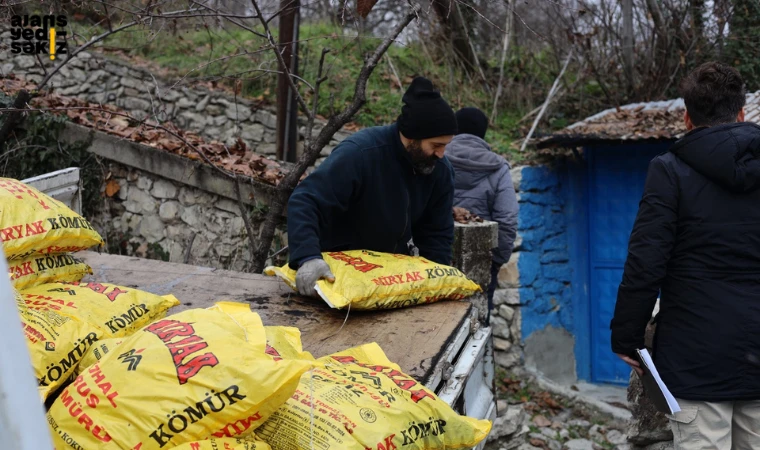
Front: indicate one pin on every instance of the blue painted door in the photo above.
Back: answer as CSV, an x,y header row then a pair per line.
x,y
616,181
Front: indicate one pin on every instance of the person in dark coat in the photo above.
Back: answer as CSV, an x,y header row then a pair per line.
x,y
696,241
483,185
379,190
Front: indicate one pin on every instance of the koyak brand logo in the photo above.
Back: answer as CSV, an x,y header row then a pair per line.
x,y
37,35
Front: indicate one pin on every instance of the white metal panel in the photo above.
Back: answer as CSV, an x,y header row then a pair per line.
x,y
448,356
63,185
22,418
465,366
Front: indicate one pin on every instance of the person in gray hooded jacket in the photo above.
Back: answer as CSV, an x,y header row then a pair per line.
x,y
483,185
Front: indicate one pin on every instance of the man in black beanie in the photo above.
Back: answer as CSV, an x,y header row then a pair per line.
x,y
377,190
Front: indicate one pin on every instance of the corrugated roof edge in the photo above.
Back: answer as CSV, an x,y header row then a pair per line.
x,y
567,138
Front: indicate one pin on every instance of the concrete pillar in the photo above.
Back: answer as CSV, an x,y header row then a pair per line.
x,y
472,255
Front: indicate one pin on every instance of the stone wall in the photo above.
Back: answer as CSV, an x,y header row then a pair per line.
x,y
213,114
164,206
534,296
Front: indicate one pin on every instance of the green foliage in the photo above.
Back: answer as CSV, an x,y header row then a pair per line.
x,y
230,54
743,46
35,149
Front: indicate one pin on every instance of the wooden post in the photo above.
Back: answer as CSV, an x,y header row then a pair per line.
x,y
287,107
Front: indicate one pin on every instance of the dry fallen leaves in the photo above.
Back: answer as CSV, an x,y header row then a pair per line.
x,y
112,187
464,216
111,120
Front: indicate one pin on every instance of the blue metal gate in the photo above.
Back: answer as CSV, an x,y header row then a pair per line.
x,y
616,181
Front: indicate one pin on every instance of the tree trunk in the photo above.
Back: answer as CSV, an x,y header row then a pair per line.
x,y
453,31
628,44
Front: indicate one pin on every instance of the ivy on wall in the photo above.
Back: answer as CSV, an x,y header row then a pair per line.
x,y
34,149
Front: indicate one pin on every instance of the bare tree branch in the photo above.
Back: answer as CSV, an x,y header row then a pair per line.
x,y
311,152
280,59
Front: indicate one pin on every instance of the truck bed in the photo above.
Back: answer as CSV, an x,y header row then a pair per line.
x,y
414,338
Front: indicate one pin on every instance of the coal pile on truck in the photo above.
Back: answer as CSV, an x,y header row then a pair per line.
x,y
117,368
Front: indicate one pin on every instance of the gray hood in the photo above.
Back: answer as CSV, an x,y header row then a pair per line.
x,y
470,152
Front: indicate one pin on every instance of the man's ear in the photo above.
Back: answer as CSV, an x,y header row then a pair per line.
x,y
687,121
740,117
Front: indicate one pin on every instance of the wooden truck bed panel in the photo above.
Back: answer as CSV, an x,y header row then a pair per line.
x,y
414,338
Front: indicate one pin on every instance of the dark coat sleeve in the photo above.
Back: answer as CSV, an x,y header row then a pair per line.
x,y
649,250
433,234
504,213
319,198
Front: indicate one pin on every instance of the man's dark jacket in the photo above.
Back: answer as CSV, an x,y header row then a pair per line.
x,y
367,196
697,239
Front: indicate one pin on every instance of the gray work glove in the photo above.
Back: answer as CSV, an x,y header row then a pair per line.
x,y
308,274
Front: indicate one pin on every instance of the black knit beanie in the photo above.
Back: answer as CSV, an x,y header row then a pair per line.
x,y
472,121
425,113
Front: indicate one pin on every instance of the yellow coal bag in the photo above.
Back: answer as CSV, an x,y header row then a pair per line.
x,y
40,269
196,374
224,444
34,223
97,352
359,400
285,343
374,280
62,320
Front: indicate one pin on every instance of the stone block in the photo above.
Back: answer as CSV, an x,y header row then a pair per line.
x,y
190,119
501,344
506,312
219,121
538,178
508,423
25,61
516,174
139,201
508,296
191,216
266,149
507,360
169,211
185,103
144,183
152,228
186,196
555,244
7,68
531,216
227,205
515,328
123,189
135,103
500,327
555,257
164,189
202,104
267,119
252,132
170,95
557,272
238,113
132,83
509,276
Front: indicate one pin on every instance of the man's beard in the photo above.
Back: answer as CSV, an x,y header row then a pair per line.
x,y
422,163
